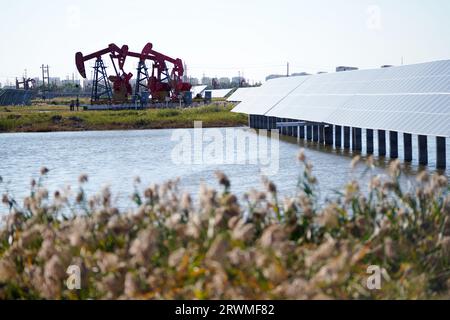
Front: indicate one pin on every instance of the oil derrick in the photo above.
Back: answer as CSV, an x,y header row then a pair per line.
x,y
26,83
101,89
141,90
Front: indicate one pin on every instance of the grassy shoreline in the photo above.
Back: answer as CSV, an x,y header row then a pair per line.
x,y
49,118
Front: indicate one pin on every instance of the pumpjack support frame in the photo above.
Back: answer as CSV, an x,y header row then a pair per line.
x,y
141,91
101,89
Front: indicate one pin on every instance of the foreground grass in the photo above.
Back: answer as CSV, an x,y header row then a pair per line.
x,y
45,118
173,248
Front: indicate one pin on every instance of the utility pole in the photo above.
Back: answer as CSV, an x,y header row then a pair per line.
x,y
45,76
287,70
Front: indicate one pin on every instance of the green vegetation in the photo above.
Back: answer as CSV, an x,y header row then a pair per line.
x,y
59,101
44,118
171,247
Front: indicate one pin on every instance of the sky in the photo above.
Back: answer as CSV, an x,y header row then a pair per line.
x,y
223,38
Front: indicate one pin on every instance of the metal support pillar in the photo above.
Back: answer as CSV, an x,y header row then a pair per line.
x,y
315,129
347,137
407,148
309,133
393,144
274,122
295,130
381,143
284,129
440,153
321,134
369,141
338,137
357,139
328,130
301,132
289,129
423,150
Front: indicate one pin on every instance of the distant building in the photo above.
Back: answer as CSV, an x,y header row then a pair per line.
x,y
207,81
194,81
69,82
225,82
238,82
344,68
55,81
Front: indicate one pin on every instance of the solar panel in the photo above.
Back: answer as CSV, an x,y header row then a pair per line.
x,y
220,93
268,95
418,114
197,90
242,93
315,108
413,99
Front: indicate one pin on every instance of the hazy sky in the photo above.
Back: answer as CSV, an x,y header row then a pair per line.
x,y
220,38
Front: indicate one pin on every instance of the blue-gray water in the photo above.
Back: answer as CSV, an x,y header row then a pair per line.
x,y
115,157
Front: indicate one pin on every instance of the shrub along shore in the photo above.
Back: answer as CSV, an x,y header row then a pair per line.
x,y
392,242
47,118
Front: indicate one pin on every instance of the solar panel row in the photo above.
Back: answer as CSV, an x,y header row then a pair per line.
x,y
15,97
412,99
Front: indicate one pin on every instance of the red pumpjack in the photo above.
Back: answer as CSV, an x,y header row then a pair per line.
x,y
162,85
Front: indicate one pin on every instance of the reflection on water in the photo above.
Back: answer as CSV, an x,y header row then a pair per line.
x,y
115,157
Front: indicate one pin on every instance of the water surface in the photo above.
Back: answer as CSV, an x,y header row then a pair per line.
x,y
115,157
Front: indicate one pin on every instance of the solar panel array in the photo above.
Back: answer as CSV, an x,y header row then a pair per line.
x,y
15,97
413,99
